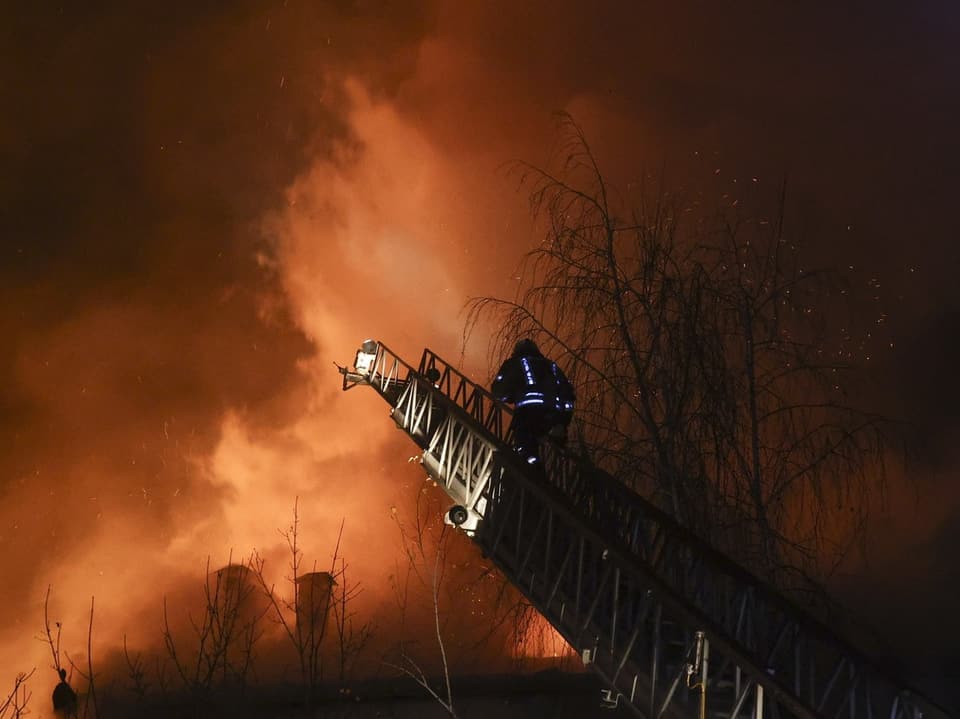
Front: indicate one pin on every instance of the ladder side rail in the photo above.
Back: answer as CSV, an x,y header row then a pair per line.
x,y
656,538
609,608
564,613
493,415
456,451
773,623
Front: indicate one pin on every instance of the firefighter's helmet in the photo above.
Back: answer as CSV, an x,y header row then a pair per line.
x,y
526,348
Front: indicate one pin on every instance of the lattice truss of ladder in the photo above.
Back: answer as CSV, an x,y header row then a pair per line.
x,y
671,625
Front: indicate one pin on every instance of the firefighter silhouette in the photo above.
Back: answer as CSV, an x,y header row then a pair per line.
x,y
541,395
64,698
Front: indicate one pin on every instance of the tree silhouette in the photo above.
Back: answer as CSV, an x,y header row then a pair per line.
x,y
706,370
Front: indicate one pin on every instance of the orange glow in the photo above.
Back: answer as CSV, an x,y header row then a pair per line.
x,y
541,641
213,209
369,244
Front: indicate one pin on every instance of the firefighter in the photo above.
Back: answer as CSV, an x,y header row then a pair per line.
x,y
541,395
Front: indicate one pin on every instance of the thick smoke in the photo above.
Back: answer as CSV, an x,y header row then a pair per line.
x,y
205,208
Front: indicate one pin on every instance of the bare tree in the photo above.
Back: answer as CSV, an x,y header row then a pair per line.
x,y
700,351
352,636
440,579
430,573
14,705
53,643
797,450
303,615
163,679
90,696
136,672
225,634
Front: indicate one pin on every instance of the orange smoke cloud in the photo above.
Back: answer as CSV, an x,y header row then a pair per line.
x,y
377,239
211,208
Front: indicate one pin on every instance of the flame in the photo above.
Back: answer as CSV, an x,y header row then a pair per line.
x,y
159,431
369,244
540,640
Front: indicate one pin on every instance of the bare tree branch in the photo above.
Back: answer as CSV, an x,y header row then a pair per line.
x,y
709,374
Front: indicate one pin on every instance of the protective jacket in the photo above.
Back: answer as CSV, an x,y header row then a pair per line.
x,y
531,380
541,395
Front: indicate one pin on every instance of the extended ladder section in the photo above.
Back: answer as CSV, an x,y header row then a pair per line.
x,y
673,627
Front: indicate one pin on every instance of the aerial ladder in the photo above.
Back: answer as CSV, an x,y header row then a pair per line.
x,y
671,626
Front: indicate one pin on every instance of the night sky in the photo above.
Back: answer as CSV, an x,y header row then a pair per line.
x,y
204,205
